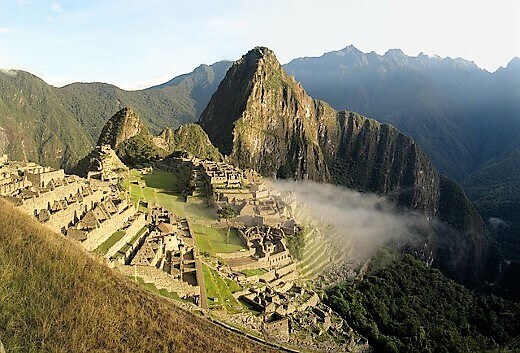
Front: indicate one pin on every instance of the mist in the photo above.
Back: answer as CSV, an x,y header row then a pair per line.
x,y
8,72
366,220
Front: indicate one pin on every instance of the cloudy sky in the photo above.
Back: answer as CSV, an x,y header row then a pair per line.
x,y
138,43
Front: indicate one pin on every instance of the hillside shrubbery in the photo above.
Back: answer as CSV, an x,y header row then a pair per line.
x,y
404,306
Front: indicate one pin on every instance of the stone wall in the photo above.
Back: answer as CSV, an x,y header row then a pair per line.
x,y
43,200
74,211
131,231
285,270
97,236
280,259
250,265
41,179
160,279
236,254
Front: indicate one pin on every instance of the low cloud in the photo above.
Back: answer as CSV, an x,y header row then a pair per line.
x,y
365,220
8,72
497,223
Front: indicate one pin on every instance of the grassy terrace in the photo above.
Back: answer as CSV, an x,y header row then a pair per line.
x,y
152,288
165,189
222,289
254,272
114,238
214,240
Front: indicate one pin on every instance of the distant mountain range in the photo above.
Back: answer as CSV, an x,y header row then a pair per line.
x,y
466,119
461,115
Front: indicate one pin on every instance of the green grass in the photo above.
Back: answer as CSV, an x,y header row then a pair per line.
x,y
214,240
254,272
216,287
233,285
165,189
174,182
152,288
114,238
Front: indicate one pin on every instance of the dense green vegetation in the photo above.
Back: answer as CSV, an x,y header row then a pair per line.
x,y
495,191
138,150
227,212
404,306
191,138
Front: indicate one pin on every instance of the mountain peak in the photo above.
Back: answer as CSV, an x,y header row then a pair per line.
x,y
394,52
514,63
257,69
260,52
350,49
122,126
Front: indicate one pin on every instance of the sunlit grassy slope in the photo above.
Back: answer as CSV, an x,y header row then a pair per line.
x,y
55,297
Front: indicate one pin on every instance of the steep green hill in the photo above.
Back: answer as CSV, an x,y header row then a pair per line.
x,y
495,189
54,297
134,144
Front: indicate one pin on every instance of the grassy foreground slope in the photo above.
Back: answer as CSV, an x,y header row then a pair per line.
x,y
55,297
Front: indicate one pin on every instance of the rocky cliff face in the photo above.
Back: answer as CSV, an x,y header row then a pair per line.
x,y
263,119
121,127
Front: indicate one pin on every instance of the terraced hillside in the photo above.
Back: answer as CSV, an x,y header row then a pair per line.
x,y
319,253
54,297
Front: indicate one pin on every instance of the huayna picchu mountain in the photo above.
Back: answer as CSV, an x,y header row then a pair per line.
x,y
134,143
263,119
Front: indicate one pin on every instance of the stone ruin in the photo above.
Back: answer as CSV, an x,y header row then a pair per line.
x,y
168,253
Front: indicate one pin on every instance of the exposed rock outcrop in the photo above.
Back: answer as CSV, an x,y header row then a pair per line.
x,y
121,127
263,119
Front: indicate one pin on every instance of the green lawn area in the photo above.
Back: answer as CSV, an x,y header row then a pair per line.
x,y
152,288
232,285
216,287
173,182
254,272
114,238
214,240
165,189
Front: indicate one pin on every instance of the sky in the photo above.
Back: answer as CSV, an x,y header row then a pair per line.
x,y
139,43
